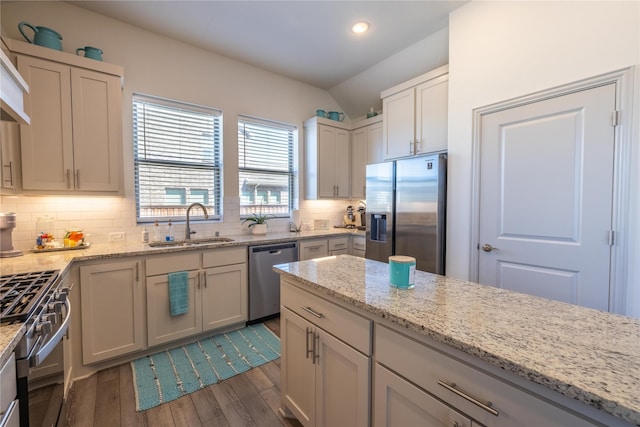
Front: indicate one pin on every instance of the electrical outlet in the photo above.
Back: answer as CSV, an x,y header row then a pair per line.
x,y
116,236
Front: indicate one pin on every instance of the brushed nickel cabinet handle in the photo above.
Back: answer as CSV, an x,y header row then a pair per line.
x,y
68,179
137,271
316,341
77,178
313,312
484,405
204,278
308,350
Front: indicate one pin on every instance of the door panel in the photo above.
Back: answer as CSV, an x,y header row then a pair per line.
x,y
546,197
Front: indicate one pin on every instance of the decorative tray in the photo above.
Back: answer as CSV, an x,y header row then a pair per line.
x,y
68,248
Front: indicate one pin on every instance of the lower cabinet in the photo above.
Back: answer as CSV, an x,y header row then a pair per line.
x,y
310,249
217,293
339,245
358,246
324,381
397,402
112,309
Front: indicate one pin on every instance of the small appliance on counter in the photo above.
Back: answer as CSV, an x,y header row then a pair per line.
x,y
7,224
349,218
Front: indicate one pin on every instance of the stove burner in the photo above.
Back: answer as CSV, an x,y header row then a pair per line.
x,y
21,294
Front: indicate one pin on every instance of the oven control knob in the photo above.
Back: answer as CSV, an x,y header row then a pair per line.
x,y
51,318
55,307
61,295
44,328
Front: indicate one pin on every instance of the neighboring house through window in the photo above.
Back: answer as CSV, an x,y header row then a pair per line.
x,y
176,158
265,156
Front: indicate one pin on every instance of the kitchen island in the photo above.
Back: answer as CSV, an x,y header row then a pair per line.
x,y
583,362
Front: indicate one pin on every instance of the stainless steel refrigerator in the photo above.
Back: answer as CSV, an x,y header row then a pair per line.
x,y
406,210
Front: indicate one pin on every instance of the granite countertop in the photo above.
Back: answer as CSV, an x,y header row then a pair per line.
x,y
585,354
62,260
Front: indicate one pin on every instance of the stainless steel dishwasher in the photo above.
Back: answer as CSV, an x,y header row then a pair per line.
x,y
264,283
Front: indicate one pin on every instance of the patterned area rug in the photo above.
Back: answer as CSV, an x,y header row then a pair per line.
x,y
168,375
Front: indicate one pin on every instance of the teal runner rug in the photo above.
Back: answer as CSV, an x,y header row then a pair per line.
x,y
168,375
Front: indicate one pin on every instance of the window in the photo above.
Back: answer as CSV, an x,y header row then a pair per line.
x,y
265,155
176,158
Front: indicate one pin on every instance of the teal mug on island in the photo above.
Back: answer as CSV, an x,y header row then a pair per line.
x,y
42,36
334,115
90,52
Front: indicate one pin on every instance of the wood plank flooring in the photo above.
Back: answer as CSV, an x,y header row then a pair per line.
x,y
249,399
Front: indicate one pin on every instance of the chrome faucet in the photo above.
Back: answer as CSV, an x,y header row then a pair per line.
x,y
187,230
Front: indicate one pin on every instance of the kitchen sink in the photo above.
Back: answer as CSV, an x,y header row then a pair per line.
x,y
191,242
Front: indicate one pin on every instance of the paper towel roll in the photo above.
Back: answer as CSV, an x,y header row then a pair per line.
x,y
402,271
295,217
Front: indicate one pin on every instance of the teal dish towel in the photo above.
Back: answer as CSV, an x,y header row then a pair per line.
x,y
179,292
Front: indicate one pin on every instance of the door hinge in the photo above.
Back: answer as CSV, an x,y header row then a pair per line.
x,y
615,118
612,238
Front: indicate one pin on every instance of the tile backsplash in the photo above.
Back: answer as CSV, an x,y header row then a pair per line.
x,y
100,216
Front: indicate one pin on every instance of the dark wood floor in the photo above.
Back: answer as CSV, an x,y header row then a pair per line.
x,y
248,399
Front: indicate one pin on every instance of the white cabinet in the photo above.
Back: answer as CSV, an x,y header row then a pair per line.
x,y
415,115
469,390
74,142
217,293
366,149
397,402
9,413
327,159
9,133
324,381
358,246
112,309
310,249
339,245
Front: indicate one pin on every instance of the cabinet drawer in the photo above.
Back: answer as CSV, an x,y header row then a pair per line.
x,y
341,323
359,243
8,388
338,243
170,263
429,369
226,256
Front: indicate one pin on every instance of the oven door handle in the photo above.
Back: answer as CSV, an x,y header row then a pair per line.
x,y
51,343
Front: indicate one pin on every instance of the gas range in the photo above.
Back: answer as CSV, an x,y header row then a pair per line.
x,y
21,294
40,301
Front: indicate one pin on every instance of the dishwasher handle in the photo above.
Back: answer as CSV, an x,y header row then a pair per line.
x,y
273,248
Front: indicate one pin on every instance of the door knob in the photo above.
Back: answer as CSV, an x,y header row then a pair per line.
x,y
488,248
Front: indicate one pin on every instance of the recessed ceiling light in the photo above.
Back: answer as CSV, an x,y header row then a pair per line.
x,y
360,27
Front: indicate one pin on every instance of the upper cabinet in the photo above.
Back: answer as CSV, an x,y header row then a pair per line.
x,y
327,145
366,149
415,115
74,142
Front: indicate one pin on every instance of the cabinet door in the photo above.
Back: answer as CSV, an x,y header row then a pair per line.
x,y
313,249
398,124
432,100
359,156
161,325
112,310
9,135
326,162
97,130
375,149
224,296
297,370
342,383
397,402
342,162
47,145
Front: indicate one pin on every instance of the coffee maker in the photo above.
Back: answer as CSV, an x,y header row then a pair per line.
x,y
7,224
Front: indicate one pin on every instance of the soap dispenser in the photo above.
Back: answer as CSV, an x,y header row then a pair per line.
x,y
169,237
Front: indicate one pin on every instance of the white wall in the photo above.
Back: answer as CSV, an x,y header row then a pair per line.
x,y
503,50
160,66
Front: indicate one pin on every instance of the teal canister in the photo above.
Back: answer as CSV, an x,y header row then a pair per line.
x,y
334,115
402,271
321,113
90,52
42,36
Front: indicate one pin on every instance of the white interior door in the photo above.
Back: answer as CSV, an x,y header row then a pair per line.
x,y
546,195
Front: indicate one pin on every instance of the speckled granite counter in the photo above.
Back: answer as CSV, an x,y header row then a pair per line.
x,y
62,260
585,354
